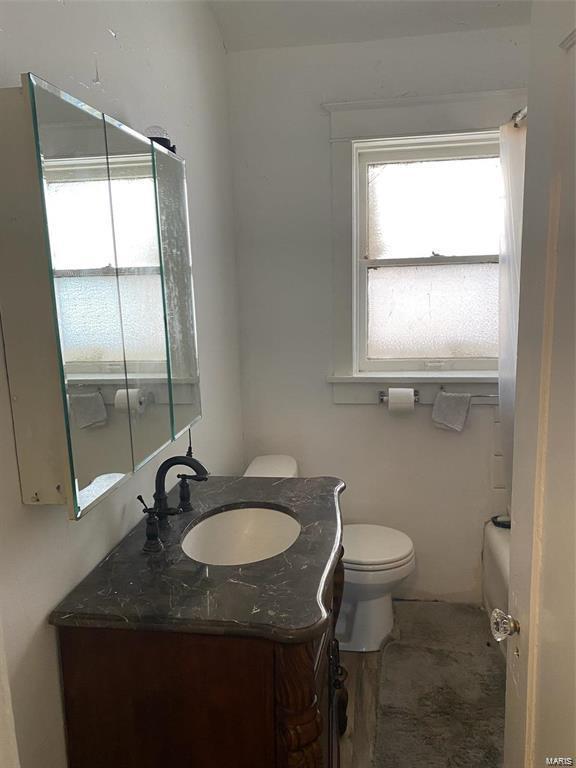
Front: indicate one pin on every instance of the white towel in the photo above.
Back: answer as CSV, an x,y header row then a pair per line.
x,y
88,410
450,410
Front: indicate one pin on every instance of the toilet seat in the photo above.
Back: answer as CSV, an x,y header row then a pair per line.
x,y
375,548
377,568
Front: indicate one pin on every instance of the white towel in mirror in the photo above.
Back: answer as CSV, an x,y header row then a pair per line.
x,y
88,410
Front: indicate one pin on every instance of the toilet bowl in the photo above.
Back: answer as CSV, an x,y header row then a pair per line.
x,y
376,559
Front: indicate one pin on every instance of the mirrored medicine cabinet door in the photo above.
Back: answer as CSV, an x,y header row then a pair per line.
x,y
119,257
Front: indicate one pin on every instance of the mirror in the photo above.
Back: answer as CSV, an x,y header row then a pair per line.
x,y
72,148
133,197
117,222
175,243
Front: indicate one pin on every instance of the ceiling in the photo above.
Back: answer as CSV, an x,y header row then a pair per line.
x,y
251,24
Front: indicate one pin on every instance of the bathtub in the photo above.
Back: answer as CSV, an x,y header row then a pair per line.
x,y
495,567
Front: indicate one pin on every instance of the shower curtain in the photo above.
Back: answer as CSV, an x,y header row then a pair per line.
x,y
512,155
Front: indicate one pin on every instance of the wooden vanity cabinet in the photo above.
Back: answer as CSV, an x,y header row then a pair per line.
x,y
163,699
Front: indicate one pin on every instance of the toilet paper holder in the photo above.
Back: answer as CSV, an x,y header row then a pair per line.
x,y
383,396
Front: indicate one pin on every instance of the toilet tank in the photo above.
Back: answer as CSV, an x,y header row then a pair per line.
x,y
272,466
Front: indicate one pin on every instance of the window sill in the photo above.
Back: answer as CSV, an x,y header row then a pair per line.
x,y
155,384
119,379
416,377
365,388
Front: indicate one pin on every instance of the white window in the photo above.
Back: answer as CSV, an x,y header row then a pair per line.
x,y
428,213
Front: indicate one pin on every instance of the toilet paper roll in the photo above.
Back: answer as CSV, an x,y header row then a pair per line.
x,y
400,399
134,400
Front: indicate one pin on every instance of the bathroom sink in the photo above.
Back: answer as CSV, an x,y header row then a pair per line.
x,y
240,535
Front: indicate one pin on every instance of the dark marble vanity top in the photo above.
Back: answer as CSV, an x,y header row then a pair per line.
x,y
281,598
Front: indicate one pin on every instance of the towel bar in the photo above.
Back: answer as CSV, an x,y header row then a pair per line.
x,y
475,394
490,396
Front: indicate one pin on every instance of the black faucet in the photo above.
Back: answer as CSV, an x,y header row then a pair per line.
x,y
160,498
158,514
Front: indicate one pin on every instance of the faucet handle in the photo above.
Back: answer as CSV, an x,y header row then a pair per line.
x,y
184,504
153,542
197,478
146,509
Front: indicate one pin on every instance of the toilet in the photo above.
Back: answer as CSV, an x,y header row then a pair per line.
x,y
376,560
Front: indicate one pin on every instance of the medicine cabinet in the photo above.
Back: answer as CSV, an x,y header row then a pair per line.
x,y
96,295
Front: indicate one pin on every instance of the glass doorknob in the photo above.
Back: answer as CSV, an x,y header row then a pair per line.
x,y
502,625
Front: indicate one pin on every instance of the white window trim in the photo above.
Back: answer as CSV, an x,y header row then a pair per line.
x,y
352,120
448,146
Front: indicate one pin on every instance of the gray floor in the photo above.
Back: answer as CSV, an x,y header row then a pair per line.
x,y
441,690
357,744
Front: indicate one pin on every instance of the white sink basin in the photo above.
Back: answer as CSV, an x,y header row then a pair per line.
x,y
241,535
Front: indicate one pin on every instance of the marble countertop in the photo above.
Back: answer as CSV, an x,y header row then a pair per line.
x,y
281,598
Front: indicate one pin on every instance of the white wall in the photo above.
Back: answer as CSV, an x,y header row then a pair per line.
x,y
165,65
436,486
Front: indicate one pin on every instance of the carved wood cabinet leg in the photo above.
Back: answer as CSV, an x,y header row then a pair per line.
x,y
338,587
340,673
298,717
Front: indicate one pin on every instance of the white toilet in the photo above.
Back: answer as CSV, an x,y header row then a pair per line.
x,y
376,559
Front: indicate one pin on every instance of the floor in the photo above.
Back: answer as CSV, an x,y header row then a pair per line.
x,y
357,744
433,696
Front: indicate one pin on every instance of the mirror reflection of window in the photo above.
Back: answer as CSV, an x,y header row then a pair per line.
x,y
84,259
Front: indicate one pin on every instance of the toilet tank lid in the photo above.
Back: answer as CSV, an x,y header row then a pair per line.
x,y
272,466
366,544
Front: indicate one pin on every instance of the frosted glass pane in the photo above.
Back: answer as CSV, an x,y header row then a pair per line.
x,y
80,224
449,207
135,229
143,319
90,324
446,311
89,319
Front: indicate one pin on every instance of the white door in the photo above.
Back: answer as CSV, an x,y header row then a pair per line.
x,y
541,684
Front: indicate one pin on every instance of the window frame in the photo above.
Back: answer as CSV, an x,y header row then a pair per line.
x,y
470,145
